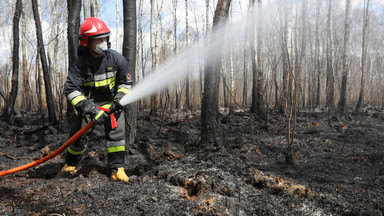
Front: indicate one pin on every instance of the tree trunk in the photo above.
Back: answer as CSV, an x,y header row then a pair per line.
x,y
330,78
210,122
363,55
254,59
51,102
9,109
153,52
299,94
287,68
260,73
117,24
174,14
129,52
343,91
92,10
27,97
85,9
274,71
74,10
231,76
224,80
139,49
245,70
317,52
187,102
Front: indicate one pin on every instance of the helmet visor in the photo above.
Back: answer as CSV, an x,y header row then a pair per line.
x,y
100,35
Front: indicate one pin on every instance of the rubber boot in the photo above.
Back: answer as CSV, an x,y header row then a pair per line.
x,y
69,169
118,174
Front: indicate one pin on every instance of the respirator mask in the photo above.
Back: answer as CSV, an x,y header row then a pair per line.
x,y
101,48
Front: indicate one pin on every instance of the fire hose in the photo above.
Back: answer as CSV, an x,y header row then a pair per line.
x,y
53,154
64,146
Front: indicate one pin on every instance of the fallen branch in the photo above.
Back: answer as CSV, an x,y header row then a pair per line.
x,y
17,158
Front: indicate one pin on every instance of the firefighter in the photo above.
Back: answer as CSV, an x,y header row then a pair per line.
x,y
99,77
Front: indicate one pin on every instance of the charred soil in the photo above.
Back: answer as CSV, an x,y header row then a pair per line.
x,y
339,169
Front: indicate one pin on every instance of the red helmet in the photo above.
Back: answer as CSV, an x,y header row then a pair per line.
x,y
92,28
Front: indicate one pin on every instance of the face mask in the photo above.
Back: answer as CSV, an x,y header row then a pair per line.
x,y
101,48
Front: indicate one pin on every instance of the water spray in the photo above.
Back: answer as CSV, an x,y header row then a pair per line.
x,y
175,68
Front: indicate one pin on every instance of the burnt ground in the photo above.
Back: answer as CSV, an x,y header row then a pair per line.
x,y
339,169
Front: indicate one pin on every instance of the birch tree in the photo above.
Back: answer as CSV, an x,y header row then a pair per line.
x,y
51,102
343,91
129,52
187,102
330,78
300,61
260,60
317,52
27,95
153,52
254,63
287,68
364,48
210,122
74,9
9,109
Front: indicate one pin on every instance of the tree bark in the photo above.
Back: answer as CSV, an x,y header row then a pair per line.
x,y
253,44
51,102
153,52
92,9
74,10
27,97
317,53
210,116
85,9
330,78
363,55
9,109
129,52
187,102
347,30
260,73
287,68
117,23
299,94
174,14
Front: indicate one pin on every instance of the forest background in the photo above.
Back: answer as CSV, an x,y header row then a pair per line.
x,y
320,57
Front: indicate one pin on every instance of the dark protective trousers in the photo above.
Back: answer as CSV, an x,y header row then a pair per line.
x,y
115,142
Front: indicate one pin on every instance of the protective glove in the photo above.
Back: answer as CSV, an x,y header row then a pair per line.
x,y
117,106
90,109
98,116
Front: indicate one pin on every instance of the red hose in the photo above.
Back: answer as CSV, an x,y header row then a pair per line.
x,y
53,154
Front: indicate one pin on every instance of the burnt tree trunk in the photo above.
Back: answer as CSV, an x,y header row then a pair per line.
x,y
363,54
260,73
9,109
330,78
74,8
287,66
153,52
254,59
317,53
347,30
51,102
210,120
129,52
187,100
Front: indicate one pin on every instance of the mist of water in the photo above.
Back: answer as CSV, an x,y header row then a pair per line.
x,y
186,62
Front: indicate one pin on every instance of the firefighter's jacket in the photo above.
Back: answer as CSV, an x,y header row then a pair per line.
x,y
98,79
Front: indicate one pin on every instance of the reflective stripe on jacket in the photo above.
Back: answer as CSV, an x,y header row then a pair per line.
x,y
100,80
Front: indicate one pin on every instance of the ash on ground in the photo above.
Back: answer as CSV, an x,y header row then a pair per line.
x,y
338,169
